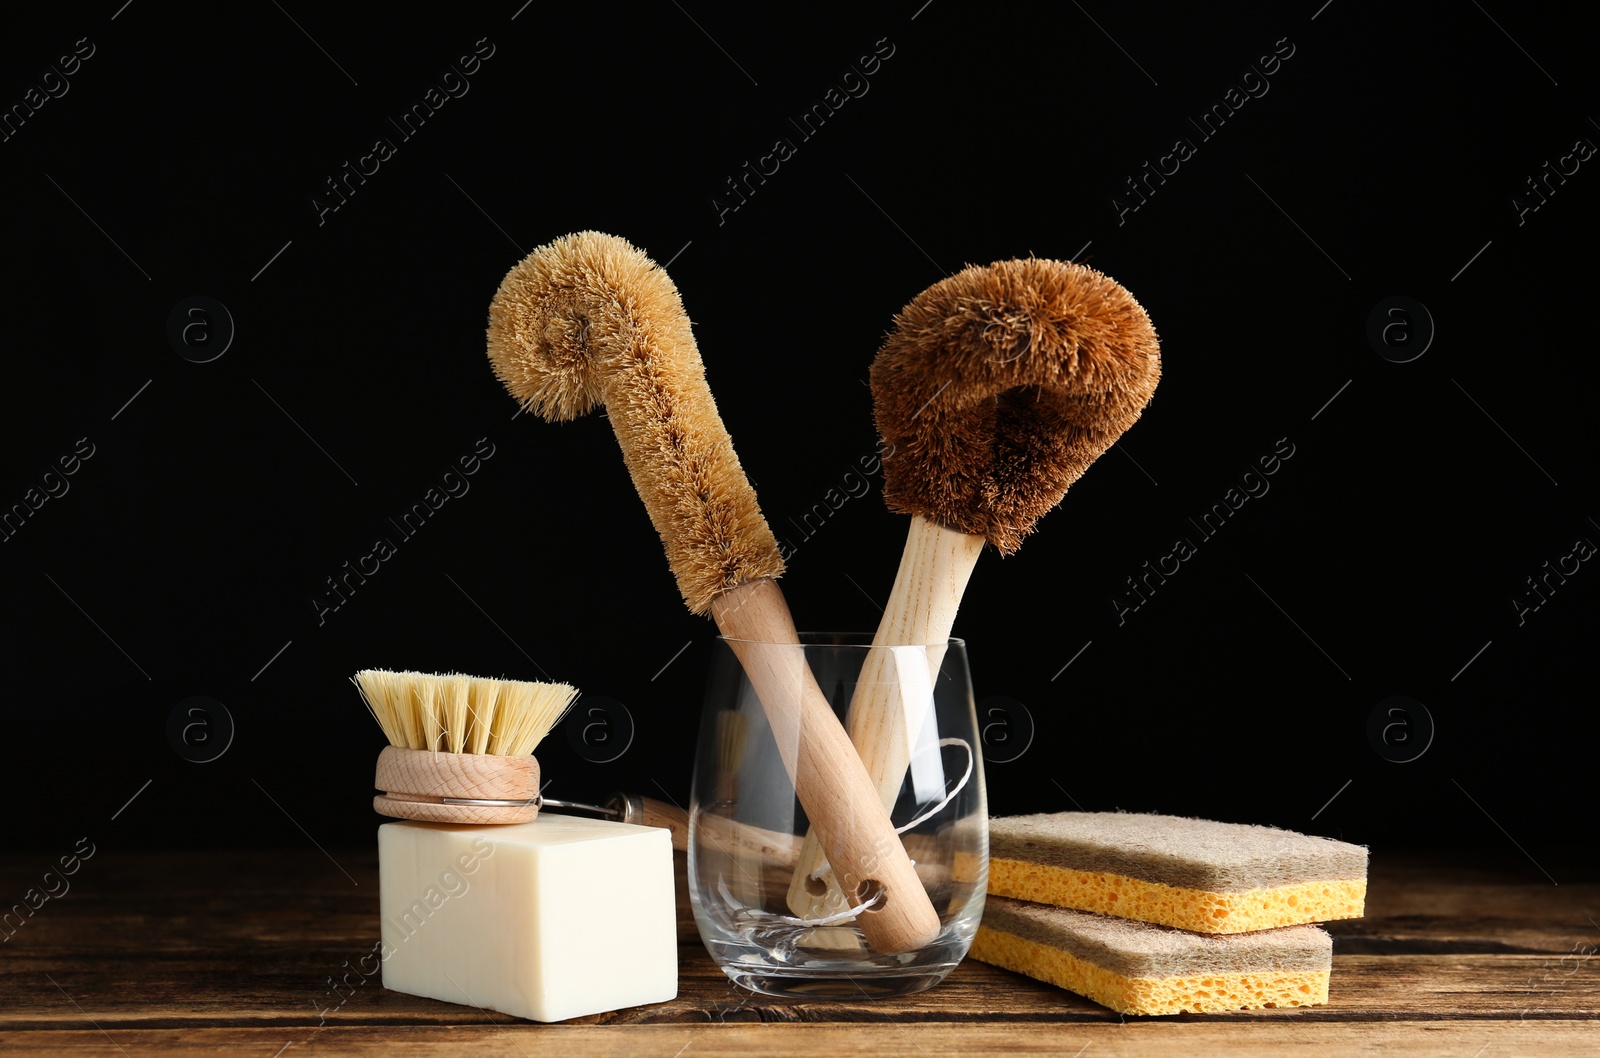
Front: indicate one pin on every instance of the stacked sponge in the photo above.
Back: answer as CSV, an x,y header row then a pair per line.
x,y
1153,914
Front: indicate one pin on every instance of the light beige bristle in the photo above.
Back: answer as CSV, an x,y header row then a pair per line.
x,y
406,706
482,694
518,719
463,714
454,716
538,707
377,694
427,691
515,704
732,726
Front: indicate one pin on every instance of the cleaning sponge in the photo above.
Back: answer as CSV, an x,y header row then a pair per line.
x,y
1193,874
1135,968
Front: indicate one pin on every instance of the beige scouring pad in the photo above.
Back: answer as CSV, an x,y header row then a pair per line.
x,y
1193,874
1136,968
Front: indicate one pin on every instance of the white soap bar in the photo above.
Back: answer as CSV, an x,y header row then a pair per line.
x,y
548,920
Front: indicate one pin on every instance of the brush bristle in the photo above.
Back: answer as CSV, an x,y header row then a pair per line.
x,y
1000,385
732,728
590,320
453,713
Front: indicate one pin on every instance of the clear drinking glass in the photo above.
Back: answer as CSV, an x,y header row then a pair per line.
x,y
747,826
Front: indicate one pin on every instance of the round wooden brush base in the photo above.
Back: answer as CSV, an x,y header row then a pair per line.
x,y
422,784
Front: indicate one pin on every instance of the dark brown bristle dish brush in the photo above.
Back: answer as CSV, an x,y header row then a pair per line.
x,y
1000,385
995,390
588,321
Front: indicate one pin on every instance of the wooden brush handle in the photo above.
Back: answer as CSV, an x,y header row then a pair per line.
x,y
648,812
839,797
727,836
934,569
414,779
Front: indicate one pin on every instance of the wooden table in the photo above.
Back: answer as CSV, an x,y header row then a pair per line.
x,y
231,953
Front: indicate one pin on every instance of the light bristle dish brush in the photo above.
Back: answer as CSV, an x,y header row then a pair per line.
x,y
455,740
461,752
994,392
589,321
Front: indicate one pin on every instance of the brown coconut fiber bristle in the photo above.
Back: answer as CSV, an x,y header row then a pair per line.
x,y
1000,385
590,320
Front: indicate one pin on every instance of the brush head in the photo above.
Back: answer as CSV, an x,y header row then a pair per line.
x,y
999,386
462,714
589,320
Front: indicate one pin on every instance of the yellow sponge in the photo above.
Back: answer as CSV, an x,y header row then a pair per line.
x,y
1193,874
1135,968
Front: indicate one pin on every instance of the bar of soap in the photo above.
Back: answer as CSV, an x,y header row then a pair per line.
x,y
1193,874
547,920
1136,968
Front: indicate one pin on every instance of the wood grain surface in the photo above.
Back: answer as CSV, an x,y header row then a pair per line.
x,y
212,953
414,778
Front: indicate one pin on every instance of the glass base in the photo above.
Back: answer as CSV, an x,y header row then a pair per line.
x,y
786,985
807,973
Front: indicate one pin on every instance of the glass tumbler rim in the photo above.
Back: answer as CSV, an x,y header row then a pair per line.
x,y
856,640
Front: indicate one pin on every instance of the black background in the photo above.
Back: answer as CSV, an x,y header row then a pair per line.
x,y
1382,160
